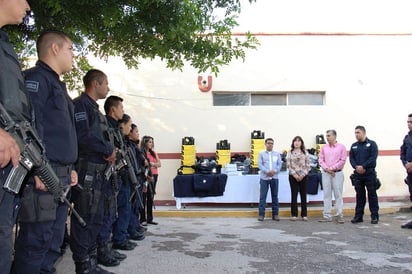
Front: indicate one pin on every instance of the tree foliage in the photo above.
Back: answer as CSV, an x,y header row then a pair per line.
x,y
174,30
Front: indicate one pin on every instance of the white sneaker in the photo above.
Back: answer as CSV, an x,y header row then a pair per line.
x,y
325,220
305,219
294,218
340,220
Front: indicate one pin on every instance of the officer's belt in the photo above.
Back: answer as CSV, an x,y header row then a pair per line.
x,y
90,166
62,170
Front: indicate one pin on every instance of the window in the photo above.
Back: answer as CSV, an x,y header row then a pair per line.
x,y
268,98
305,98
231,99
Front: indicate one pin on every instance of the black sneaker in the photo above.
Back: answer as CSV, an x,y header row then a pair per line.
x,y
374,221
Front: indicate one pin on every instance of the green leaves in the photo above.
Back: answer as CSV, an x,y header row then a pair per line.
x,y
198,31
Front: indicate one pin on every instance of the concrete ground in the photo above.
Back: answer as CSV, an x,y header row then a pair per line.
x,y
230,240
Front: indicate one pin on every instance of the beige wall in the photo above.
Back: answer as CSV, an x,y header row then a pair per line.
x,y
366,79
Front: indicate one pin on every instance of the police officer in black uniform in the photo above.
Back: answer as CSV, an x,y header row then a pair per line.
x,y
406,158
42,219
14,98
113,107
96,154
363,155
141,165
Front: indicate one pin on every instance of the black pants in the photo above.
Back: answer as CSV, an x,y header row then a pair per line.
x,y
7,219
409,180
360,187
83,240
148,198
295,188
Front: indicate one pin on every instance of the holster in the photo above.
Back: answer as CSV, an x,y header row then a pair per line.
x,y
36,207
353,180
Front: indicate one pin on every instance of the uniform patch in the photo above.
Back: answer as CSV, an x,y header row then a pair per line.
x,y
80,116
32,86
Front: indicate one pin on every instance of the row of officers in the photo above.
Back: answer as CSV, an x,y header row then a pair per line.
x,y
108,176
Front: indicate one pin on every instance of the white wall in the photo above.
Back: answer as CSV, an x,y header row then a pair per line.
x,y
366,79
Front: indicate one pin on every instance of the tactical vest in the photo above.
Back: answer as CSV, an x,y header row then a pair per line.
x,y
13,93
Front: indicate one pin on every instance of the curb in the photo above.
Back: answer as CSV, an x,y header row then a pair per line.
x,y
195,212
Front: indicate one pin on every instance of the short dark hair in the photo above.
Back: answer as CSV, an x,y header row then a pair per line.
x,y
269,139
47,37
125,119
92,75
112,101
361,128
410,115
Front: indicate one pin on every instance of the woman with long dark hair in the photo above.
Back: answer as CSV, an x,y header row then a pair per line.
x,y
147,146
297,161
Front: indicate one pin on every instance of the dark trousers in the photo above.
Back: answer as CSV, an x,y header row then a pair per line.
x,y
120,234
361,186
148,198
109,215
409,180
134,221
295,188
7,208
38,244
83,240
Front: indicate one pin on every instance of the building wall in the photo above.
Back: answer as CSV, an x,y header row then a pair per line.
x,y
366,80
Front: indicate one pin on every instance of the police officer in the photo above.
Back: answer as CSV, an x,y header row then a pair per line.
x,y
106,255
406,158
96,153
14,98
363,155
113,106
41,218
136,231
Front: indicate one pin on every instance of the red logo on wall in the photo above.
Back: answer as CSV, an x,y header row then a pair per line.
x,y
203,84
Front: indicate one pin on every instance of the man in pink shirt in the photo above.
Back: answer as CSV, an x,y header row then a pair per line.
x,y
332,158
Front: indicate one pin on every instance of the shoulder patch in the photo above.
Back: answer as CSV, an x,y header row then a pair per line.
x,y
80,116
32,86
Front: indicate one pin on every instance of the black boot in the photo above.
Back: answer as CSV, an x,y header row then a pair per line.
x,y
83,267
105,257
95,268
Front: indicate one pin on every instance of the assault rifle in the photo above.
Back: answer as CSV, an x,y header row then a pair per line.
x,y
32,157
136,192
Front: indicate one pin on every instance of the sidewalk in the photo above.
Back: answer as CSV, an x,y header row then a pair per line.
x,y
246,210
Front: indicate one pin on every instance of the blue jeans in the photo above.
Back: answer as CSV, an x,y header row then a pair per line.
x,y
274,187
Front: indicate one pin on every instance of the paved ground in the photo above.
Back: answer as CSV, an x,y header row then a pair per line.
x,y
244,245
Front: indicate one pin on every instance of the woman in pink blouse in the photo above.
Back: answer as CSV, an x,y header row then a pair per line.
x,y
147,145
297,161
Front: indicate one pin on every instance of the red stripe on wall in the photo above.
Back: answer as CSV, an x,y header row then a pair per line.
x,y
177,156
